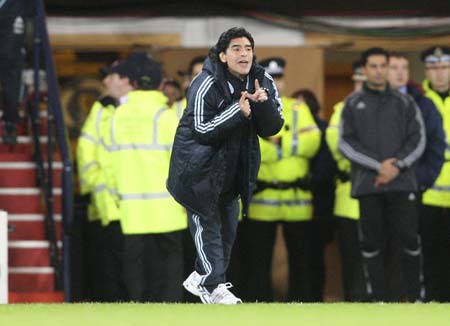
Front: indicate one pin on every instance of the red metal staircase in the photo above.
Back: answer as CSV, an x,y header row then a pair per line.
x,y
36,187
31,277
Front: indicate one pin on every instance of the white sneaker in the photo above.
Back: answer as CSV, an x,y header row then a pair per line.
x,y
192,284
221,295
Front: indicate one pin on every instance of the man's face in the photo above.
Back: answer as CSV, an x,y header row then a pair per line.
x,y
398,73
439,75
116,86
172,93
376,70
238,56
279,83
196,69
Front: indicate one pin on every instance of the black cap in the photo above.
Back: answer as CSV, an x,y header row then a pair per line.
x,y
194,61
436,54
274,66
107,70
142,70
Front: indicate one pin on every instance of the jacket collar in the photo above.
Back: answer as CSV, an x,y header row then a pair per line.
x,y
387,90
427,87
219,73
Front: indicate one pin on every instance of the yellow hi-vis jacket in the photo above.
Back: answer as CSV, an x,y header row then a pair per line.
x,y
344,204
439,193
286,163
90,169
139,142
179,107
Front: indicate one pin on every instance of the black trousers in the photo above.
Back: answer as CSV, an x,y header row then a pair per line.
x,y
260,252
213,238
435,233
112,284
12,38
94,261
153,267
353,283
384,215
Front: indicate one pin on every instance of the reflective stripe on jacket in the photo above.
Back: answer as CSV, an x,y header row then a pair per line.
x,y
344,204
439,193
138,143
284,164
91,165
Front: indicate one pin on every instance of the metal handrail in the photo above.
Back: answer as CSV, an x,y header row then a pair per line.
x,y
55,117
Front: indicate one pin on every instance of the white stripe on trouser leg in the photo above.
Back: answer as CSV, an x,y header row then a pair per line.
x,y
199,244
421,276
369,289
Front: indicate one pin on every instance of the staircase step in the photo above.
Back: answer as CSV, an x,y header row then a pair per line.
x,y
25,145
23,174
31,279
15,157
31,226
27,200
29,253
36,297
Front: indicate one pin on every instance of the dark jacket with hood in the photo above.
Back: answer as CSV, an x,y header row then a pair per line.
x,y
377,125
216,150
430,163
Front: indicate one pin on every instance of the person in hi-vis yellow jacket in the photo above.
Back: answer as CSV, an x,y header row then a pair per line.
x,y
138,142
435,209
105,235
346,208
282,196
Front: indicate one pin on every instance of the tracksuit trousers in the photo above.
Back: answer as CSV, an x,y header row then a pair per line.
x,y
391,214
214,237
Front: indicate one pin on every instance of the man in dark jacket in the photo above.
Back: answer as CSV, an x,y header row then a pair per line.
x,y
382,134
13,15
428,166
216,155
430,163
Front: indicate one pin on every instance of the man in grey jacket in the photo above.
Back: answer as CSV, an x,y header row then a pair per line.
x,y
382,134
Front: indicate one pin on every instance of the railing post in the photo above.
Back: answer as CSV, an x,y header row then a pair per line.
x,y
67,182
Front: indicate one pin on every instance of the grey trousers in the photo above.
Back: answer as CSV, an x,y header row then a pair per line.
x,y
214,237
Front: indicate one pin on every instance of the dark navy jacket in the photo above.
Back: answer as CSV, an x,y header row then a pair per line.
x,y
215,142
430,163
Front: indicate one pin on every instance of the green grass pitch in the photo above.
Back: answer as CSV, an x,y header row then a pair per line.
x,y
334,314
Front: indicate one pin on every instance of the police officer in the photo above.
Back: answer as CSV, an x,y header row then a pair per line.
x,y
435,213
346,209
106,236
138,142
283,197
322,171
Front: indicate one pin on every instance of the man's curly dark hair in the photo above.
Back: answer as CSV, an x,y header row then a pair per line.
x,y
225,39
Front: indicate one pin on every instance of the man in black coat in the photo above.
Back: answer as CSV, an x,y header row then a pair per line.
x,y
382,134
216,155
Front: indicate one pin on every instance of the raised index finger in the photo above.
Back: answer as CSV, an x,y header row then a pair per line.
x,y
257,87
